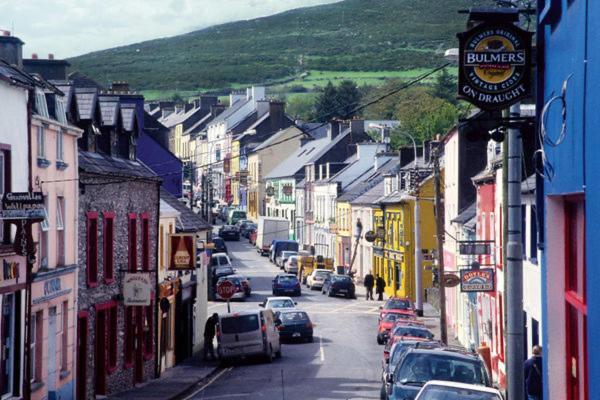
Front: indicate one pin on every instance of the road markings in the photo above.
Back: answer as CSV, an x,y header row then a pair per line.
x,y
210,382
321,349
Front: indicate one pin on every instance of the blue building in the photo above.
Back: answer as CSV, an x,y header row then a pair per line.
x,y
569,70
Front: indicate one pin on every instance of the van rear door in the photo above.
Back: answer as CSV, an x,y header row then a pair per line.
x,y
241,334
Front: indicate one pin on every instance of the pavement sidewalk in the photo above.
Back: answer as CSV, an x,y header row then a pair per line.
x,y
173,382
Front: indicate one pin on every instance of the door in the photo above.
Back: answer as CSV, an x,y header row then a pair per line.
x,y
51,357
100,359
7,343
82,332
138,375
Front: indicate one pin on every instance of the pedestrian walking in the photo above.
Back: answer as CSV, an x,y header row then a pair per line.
x,y
533,375
380,286
369,283
209,336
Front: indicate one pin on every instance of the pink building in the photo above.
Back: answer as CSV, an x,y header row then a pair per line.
x,y
54,172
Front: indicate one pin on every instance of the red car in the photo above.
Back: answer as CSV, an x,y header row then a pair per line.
x,y
390,319
396,303
407,332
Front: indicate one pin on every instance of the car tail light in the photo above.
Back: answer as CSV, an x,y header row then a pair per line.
x,y
386,354
280,328
309,325
263,328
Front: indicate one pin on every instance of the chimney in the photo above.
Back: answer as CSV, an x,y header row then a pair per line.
x,y
48,69
34,56
216,109
357,126
334,129
165,112
262,107
120,87
235,97
50,56
206,102
277,114
11,49
188,106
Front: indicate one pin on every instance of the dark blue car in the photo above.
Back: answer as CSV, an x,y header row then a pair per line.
x,y
339,285
294,325
286,284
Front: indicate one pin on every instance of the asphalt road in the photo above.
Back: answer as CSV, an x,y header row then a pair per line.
x,y
344,362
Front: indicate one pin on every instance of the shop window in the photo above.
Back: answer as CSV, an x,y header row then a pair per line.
x,y
145,242
36,346
92,249
64,338
132,226
109,247
148,331
398,275
129,336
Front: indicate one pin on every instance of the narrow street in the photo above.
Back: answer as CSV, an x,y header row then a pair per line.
x,y
344,362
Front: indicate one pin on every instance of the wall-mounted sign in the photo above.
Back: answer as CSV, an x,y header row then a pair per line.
x,y
494,65
137,289
270,191
23,205
287,190
451,280
370,236
475,248
477,280
182,252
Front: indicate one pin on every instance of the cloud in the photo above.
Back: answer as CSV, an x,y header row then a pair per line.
x,y
72,27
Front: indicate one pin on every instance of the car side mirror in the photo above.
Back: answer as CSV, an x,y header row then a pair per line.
x,y
295,303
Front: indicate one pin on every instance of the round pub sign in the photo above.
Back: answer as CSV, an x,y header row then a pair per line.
x,y
495,65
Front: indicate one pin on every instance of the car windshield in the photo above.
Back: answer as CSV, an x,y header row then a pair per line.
x,y
239,214
281,303
219,260
419,368
341,278
235,281
287,279
239,324
224,270
293,317
322,274
287,254
391,317
438,392
412,332
397,304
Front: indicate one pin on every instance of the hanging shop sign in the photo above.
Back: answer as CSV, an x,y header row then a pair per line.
x,y
182,252
451,280
287,190
270,191
477,280
23,205
137,289
494,65
475,248
370,236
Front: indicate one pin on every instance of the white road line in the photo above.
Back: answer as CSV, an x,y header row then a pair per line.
x,y
321,349
210,382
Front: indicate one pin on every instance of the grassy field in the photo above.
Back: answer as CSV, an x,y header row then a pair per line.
x,y
310,81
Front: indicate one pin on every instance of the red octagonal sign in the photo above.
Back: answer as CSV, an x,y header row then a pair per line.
x,y
226,290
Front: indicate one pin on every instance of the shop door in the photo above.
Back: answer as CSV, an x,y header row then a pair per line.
x,y
82,332
139,346
100,359
51,357
7,342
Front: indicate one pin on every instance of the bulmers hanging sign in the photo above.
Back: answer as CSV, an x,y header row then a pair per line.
x,y
182,252
494,65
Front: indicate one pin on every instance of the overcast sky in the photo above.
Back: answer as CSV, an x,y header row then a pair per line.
x,y
72,27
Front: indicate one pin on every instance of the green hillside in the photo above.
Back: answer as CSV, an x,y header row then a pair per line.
x,y
353,35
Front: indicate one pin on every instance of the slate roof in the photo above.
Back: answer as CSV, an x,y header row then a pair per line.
x,y
188,221
86,102
98,163
15,76
393,198
372,195
296,161
156,130
230,111
128,116
109,108
276,138
368,180
199,125
466,214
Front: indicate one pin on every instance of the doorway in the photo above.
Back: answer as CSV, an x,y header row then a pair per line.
x,y
100,358
7,342
82,341
51,357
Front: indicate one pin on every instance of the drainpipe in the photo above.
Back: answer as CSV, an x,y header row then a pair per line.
x,y
157,321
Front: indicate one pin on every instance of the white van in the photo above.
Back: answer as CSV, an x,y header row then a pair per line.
x,y
248,333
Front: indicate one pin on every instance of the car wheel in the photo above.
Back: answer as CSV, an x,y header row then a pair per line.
x,y
382,393
311,339
278,354
330,293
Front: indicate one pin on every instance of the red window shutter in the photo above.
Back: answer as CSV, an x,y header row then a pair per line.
x,y
92,249
112,337
109,248
132,242
129,333
145,242
149,330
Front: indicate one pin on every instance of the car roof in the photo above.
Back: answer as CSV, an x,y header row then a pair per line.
x,y
219,254
279,298
398,311
449,351
322,270
290,275
242,313
463,386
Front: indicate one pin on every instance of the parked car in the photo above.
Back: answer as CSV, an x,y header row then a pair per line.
x,y
286,284
294,325
291,265
235,215
277,303
246,228
434,390
248,333
229,232
389,320
279,246
283,257
316,279
419,366
242,286
396,303
394,355
220,246
224,213
408,331
336,285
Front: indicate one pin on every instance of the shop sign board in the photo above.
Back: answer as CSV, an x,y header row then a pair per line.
x,y
182,252
137,289
23,205
494,65
477,280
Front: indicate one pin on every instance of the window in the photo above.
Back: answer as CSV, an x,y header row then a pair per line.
x,y
59,145
36,347
40,104
109,247
43,240
148,331
60,111
132,243
41,142
64,358
92,249
129,336
145,242
60,230
218,152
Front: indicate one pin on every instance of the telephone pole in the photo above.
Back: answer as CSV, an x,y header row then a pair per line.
x,y
439,224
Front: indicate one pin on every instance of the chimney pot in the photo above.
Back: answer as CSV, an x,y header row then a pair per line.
x,y
34,56
5,33
50,56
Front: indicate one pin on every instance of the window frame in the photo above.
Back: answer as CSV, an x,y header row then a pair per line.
x,y
91,259
41,142
145,219
64,357
108,246
59,145
148,345
132,242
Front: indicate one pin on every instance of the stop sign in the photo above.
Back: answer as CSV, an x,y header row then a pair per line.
x,y
226,290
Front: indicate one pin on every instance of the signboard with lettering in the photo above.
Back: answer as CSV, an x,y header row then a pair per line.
x,y
474,248
182,252
494,65
477,280
23,205
137,289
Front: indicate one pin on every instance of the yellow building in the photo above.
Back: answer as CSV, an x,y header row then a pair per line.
x,y
397,263
234,172
343,228
379,229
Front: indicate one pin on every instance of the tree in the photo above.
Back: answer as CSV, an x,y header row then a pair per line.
x,y
177,99
326,104
301,106
348,98
445,87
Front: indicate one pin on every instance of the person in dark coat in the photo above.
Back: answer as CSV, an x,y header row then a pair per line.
x,y
380,286
369,283
209,336
533,375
